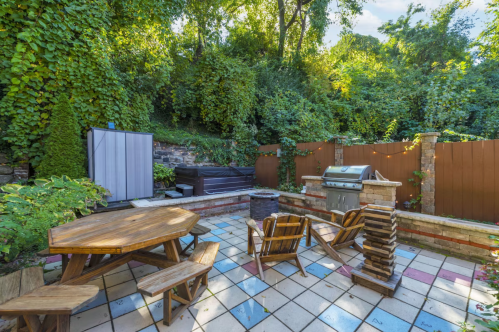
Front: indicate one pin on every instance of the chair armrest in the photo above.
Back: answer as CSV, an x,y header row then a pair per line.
x,y
252,224
317,219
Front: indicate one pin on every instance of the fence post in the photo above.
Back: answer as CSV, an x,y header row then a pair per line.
x,y
428,141
338,150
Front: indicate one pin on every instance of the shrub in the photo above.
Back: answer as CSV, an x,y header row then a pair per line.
x,y
28,212
64,153
164,174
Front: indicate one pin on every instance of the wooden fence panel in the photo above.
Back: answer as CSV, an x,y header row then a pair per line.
x,y
307,165
392,161
466,184
266,167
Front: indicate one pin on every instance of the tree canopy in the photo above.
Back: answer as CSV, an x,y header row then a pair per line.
x,y
252,71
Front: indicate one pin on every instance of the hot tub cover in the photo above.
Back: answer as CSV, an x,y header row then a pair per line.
x,y
214,172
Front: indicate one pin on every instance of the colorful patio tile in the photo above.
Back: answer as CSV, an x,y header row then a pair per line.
x,y
213,239
286,268
252,268
249,313
405,254
345,270
419,275
386,322
218,231
339,319
236,217
430,323
455,277
225,265
318,270
127,304
252,286
222,225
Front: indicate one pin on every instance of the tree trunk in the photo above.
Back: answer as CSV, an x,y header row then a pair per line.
x,y
302,32
282,28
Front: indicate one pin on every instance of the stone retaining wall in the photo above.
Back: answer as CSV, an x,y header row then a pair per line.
x,y
466,239
6,171
173,155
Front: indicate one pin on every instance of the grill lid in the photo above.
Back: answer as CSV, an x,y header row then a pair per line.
x,y
347,173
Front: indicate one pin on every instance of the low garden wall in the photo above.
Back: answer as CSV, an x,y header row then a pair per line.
x,y
173,155
467,239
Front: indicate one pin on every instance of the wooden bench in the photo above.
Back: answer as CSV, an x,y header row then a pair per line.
x,y
196,231
196,267
24,296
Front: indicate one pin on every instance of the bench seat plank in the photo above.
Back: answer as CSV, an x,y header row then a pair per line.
x,y
51,300
158,282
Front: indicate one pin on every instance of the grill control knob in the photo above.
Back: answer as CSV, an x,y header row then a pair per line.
x,y
344,184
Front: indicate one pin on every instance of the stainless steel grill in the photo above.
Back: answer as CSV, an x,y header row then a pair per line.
x,y
343,185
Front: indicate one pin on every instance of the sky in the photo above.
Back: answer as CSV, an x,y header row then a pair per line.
x,y
380,11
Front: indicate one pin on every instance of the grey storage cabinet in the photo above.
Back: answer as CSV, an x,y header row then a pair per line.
x,y
121,162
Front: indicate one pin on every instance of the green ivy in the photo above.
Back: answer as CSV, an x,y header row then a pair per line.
x,y
286,171
164,174
28,212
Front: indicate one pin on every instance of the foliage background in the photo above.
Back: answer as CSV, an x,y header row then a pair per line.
x,y
236,74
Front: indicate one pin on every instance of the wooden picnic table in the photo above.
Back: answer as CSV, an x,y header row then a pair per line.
x,y
126,235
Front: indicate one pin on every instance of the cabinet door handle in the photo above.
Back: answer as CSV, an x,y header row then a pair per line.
x,y
343,199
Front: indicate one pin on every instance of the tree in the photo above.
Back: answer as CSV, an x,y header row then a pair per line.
x,y
64,154
490,36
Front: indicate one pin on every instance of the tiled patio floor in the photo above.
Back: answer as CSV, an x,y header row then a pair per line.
x,y
436,293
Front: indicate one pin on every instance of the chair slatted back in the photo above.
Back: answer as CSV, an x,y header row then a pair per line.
x,y
350,219
283,233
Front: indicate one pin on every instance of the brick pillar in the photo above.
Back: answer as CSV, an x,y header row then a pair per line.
x,y
428,141
379,193
338,150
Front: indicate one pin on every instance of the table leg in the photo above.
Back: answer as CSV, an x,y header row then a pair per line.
x,y
62,323
33,322
250,241
309,235
65,261
173,255
178,245
95,259
196,240
75,267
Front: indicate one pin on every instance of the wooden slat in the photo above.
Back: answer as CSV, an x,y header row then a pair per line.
x,y
488,178
60,300
32,278
121,231
158,282
10,286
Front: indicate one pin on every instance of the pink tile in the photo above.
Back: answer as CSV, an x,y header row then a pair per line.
x,y
53,259
345,270
133,264
419,275
455,277
252,268
479,274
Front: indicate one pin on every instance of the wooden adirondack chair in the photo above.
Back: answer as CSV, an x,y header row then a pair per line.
x,y
278,241
333,236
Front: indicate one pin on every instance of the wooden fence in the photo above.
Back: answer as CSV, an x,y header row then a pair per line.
x,y
392,161
466,184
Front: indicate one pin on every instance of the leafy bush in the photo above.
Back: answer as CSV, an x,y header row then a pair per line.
x,y
64,153
164,174
28,212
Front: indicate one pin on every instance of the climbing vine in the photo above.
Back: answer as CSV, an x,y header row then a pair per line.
x,y
286,171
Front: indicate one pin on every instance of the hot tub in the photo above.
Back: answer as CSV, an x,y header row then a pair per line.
x,y
215,180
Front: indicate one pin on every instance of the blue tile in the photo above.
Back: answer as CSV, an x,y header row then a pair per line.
x,y
213,239
386,322
222,225
187,239
236,217
252,286
156,310
430,323
225,265
100,300
303,243
127,304
318,270
339,319
286,268
405,254
473,310
249,313
150,328
218,231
